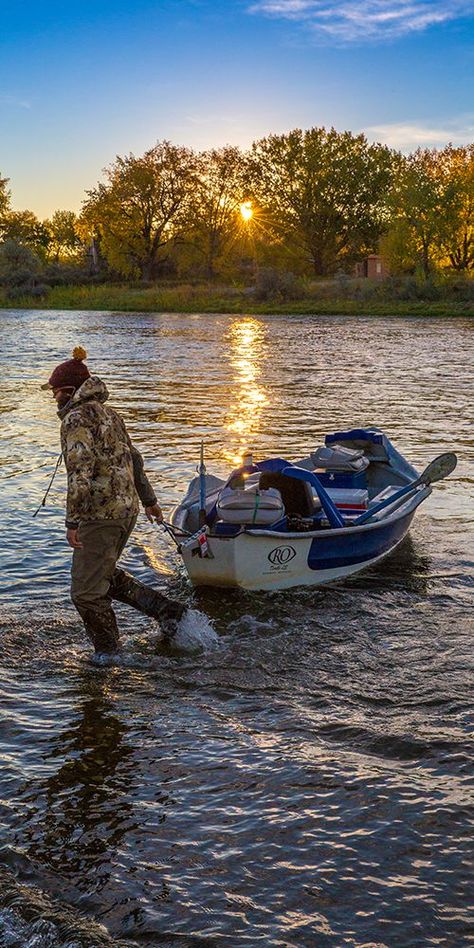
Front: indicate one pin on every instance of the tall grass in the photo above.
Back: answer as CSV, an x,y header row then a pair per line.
x,y
318,298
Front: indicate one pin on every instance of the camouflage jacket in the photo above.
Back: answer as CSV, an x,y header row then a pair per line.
x,y
105,476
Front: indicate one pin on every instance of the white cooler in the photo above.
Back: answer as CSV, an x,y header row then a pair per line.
x,y
346,498
250,506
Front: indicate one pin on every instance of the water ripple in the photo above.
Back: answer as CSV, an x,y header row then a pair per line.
x,y
303,776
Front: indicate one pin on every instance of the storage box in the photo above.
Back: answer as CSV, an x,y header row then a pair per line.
x,y
345,479
348,498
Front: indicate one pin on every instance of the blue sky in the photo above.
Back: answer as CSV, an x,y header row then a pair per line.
x,y
82,83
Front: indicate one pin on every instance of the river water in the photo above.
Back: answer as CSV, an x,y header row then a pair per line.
x,y
302,776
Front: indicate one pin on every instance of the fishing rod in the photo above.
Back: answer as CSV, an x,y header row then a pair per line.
x,y
202,488
43,502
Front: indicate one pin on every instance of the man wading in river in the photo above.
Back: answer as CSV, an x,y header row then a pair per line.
x,y
105,481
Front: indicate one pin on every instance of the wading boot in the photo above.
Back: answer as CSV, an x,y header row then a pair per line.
x,y
101,627
168,612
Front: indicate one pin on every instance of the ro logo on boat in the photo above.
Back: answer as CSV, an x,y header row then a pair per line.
x,y
281,555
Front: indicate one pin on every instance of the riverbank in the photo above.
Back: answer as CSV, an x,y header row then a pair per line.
x,y
205,299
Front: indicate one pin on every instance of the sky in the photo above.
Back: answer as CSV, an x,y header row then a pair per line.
x,y
85,81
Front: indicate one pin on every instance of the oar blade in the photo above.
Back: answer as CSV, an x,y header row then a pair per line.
x,y
439,468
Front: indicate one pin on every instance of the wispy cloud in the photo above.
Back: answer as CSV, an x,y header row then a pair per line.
x,y
410,135
14,101
356,20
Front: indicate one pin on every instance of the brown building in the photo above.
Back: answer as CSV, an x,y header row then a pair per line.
x,y
373,267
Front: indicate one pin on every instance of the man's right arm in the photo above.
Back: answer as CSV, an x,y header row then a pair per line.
x,y
144,489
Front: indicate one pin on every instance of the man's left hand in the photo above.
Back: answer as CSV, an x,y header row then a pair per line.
x,y
154,513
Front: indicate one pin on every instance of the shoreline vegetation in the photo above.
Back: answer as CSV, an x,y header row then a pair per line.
x,y
312,221
358,299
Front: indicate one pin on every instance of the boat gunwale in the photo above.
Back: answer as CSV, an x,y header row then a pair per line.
x,y
397,514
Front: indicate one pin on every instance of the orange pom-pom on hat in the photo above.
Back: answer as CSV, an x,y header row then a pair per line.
x,y
79,353
70,374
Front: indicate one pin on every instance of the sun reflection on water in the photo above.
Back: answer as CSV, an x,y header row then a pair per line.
x,y
247,345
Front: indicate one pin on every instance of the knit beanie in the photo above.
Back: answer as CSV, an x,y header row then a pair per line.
x,y
70,374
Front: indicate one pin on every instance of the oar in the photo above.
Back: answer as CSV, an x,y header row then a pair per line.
x,y
329,508
437,469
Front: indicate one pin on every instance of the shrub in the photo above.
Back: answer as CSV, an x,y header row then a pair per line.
x,y
458,287
271,284
65,274
39,291
15,293
19,266
411,288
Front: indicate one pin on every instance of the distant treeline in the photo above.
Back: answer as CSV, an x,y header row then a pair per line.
x,y
310,203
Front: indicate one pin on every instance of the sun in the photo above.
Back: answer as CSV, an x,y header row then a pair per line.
x,y
246,210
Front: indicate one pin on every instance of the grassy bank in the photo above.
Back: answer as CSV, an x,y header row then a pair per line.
x,y
205,299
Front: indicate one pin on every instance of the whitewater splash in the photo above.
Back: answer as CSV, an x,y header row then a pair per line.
x,y
195,633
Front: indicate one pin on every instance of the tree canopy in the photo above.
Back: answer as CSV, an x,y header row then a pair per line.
x,y
314,201
326,190
219,193
142,207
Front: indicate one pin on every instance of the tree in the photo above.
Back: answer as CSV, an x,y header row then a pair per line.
x,y
422,198
457,237
64,243
325,191
398,247
142,208
19,265
216,207
4,201
23,227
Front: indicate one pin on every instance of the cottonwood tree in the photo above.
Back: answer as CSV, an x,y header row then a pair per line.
x,y
64,243
5,196
457,236
19,265
421,199
398,247
325,191
23,227
217,198
142,207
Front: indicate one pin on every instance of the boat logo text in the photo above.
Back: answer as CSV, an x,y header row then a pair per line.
x,y
281,555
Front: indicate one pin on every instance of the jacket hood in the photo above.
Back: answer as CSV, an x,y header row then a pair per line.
x,y
93,389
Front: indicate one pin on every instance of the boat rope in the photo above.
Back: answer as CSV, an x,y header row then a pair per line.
x,y
179,530
169,530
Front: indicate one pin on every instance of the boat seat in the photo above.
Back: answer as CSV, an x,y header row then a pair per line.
x,y
297,495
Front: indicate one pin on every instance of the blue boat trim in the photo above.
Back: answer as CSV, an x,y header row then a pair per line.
x,y
331,552
374,435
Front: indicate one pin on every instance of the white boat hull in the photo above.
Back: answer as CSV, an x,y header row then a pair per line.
x,y
259,560
237,553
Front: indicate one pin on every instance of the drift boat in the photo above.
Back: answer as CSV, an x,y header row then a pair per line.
x,y
275,524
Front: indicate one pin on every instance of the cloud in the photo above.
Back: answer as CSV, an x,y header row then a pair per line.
x,y
14,101
410,135
355,20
